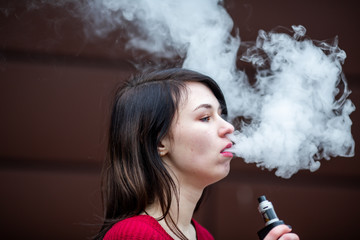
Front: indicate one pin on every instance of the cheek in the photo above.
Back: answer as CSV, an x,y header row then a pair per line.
x,y
197,142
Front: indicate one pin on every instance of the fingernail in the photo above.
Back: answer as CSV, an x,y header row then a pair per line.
x,y
289,226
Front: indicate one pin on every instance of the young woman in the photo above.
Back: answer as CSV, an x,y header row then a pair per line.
x,y
167,142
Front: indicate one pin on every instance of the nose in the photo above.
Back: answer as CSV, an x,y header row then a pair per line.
x,y
225,128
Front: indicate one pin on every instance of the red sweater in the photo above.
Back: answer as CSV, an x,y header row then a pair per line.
x,y
144,227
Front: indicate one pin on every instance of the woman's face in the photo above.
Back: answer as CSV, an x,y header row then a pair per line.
x,y
195,147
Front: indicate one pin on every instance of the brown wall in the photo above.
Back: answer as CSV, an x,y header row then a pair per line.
x,y
55,87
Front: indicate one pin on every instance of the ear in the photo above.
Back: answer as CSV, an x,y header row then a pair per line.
x,y
163,147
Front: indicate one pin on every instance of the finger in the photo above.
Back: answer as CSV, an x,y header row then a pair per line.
x,y
277,232
289,236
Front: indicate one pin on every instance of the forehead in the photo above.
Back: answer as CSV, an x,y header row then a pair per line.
x,y
196,94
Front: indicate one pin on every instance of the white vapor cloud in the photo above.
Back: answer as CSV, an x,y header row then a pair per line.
x,y
298,112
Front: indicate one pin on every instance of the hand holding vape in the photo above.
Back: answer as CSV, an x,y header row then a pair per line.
x,y
268,213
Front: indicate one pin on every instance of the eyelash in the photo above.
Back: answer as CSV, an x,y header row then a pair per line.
x,y
205,119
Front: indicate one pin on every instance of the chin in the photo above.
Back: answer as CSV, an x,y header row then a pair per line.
x,y
226,171
222,175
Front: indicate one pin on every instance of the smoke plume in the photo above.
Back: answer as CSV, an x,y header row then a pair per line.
x,y
298,113
299,117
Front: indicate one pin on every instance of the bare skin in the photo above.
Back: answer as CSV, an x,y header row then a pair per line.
x,y
195,154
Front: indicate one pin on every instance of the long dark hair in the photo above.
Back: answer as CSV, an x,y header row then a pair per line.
x,y
134,174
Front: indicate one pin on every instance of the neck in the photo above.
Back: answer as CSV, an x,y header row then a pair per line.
x,y
181,212
188,198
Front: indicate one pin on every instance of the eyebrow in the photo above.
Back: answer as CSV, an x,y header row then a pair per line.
x,y
205,105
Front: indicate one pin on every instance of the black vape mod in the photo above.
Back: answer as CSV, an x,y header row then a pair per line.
x,y
268,213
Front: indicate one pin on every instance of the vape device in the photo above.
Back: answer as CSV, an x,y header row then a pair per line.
x,y
268,213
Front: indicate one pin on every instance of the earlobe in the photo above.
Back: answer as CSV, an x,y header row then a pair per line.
x,y
162,148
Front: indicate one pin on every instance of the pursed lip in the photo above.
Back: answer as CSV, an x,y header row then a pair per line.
x,y
227,146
